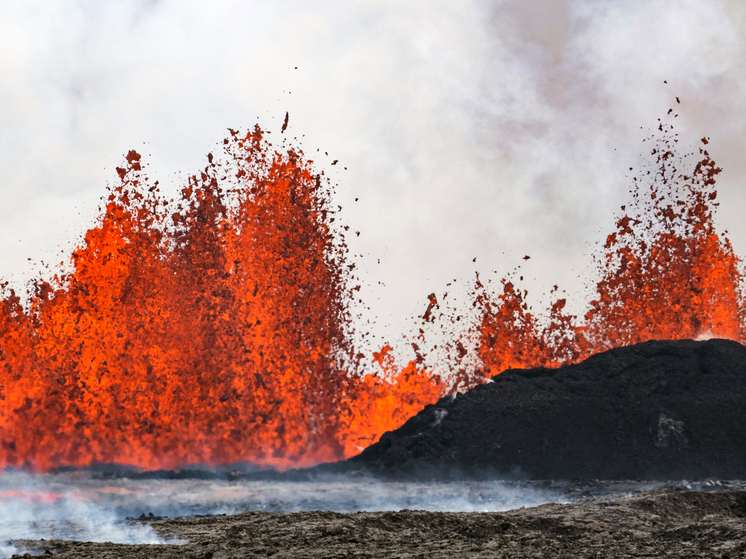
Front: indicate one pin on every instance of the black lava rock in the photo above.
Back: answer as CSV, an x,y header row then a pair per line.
x,y
657,410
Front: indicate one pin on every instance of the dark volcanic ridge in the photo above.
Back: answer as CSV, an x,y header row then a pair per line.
x,y
660,410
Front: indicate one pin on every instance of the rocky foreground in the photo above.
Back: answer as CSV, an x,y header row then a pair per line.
x,y
660,523
664,410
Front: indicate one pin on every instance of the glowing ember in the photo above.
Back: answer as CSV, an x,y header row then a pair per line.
x,y
216,328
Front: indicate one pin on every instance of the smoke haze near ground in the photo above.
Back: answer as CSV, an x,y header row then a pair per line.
x,y
44,507
90,506
467,129
87,507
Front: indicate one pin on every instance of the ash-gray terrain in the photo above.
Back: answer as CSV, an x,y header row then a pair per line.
x,y
658,523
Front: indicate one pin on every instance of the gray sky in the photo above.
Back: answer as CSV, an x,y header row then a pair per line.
x,y
469,128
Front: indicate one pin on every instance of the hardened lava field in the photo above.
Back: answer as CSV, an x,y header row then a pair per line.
x,y
660,523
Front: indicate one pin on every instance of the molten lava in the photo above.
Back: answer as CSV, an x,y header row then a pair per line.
x,y
216,328
664,273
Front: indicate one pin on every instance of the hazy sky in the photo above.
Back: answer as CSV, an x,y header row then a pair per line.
x,y
488,129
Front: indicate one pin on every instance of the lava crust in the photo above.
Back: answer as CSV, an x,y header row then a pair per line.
x,y
656,410
654,524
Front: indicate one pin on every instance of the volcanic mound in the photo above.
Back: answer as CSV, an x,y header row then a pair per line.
x,y
656,410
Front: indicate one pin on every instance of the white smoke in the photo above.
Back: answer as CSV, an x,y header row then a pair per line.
x,y
34,507
87,507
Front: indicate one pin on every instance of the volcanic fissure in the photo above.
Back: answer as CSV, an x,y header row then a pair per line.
x,y
216,328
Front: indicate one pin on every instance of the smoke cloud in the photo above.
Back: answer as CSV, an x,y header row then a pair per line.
x,y
474,128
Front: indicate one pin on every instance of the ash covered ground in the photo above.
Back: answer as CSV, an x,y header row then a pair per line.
x,y
96,506
663,522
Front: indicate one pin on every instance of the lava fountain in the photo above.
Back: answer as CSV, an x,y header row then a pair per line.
x,y
216,327
664,273
210,329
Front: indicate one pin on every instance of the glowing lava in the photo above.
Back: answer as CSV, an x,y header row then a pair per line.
x,y
664,273
216,328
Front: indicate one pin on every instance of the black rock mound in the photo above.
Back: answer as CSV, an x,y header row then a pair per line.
x,y
657,410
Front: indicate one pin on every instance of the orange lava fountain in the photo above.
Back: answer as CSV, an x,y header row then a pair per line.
x,y
216,328
213,330
664,273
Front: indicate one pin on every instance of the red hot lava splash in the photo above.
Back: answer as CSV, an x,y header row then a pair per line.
x,y
210,330
216,328
664,273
